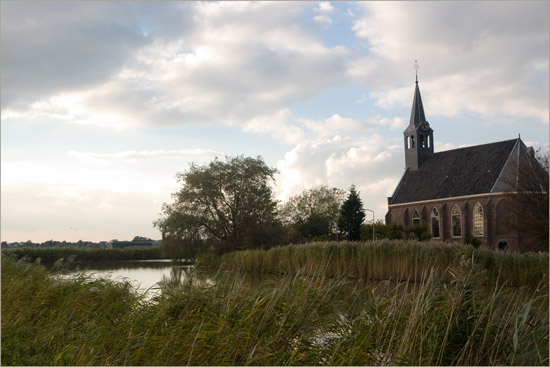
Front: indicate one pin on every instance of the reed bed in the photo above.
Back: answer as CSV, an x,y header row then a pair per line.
x,y
53,254
391,260
283,320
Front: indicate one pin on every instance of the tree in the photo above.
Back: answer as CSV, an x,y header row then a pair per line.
x,y
314,212
352,215
230,203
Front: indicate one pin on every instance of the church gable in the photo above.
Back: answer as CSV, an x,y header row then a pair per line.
x,y
518,163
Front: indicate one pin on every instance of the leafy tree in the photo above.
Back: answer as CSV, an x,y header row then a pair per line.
x,y
229,203
314,212
392,231
352,215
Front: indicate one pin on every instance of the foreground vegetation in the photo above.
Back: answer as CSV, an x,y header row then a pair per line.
x,y
282,320
53,254
395,260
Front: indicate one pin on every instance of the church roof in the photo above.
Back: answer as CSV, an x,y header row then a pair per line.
x,y
417,111
459,172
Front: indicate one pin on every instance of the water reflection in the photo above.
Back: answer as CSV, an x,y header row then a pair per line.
x,y
148,277
183,274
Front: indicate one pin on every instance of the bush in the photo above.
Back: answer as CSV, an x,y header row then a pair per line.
x,y
473,241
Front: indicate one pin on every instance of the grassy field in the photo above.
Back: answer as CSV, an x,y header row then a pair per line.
x,y
287,319
395,260
52,254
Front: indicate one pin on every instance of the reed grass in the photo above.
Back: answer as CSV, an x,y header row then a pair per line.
x,y
283,320
391,260
53,254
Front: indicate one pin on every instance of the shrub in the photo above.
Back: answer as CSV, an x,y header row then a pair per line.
x,y
473,241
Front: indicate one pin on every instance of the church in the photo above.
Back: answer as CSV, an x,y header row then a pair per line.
x,y
460,193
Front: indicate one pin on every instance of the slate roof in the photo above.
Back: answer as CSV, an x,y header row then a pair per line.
x,y
459,172
417,110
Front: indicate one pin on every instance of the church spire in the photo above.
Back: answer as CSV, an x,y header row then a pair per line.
x,y
417,111
418,136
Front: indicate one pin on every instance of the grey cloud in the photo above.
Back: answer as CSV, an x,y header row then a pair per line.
x,y
129,64
476,56
48,47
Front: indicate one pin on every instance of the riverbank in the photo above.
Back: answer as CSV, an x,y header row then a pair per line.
x,y
284,320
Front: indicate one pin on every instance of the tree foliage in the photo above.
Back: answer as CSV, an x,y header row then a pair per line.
x,y
352,215
314,212
230,203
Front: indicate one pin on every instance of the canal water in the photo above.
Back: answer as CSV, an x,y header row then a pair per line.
x,y
144,275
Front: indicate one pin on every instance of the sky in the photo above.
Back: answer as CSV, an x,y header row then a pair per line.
x,y
103,103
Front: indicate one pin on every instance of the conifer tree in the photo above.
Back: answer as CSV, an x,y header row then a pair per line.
x,y
352,215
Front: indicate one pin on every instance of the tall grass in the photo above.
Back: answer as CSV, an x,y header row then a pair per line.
x,y
52,254
394,260
286,320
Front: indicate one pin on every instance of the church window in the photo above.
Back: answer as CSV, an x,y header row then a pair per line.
x,y
435,223
422,141
456,221
408,142
429,140
478,220
412,141
416,218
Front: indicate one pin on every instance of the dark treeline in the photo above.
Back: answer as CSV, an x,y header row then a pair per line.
x,y
77,244
51,255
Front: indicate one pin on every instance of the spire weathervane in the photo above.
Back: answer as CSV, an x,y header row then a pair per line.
x,y
416,67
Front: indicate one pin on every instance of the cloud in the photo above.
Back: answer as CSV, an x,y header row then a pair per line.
x,y
230,63
145,155
323,20
325,7
479,73
49,46
370,162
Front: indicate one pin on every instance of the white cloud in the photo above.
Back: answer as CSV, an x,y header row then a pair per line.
x,y
479,72
332,126
323,20
325,7
371,163
278,125
142,155
231,64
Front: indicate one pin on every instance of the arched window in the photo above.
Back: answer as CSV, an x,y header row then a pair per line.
x,y
408,142
429,139
416,218
412,141
456,221
435,223
422,141
478,219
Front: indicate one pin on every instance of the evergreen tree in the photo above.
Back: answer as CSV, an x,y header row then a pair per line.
x,y
352,215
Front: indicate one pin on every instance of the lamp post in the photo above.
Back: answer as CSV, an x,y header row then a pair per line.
x,y
372,222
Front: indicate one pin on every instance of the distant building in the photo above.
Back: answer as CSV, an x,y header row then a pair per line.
x,y
461,192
